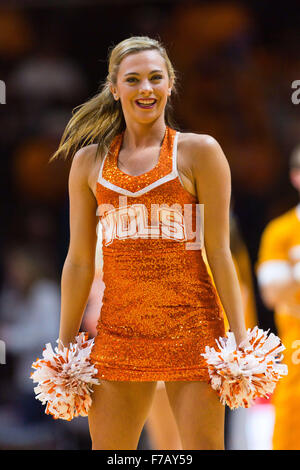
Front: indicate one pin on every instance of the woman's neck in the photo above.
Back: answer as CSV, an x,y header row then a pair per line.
x,y
138,135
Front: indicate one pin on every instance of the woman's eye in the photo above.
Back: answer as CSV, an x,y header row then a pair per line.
x,y
134,79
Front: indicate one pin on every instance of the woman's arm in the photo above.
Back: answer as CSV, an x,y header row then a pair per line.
x,y
79,267
213,184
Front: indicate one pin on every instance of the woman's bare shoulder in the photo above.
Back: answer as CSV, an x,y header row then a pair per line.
x,y
201,148
85,155
83,167
195,142
84,160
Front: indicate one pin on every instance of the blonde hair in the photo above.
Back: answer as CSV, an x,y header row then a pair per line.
x,y
101,118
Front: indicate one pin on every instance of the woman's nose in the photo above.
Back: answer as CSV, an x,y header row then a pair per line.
x,y
146,87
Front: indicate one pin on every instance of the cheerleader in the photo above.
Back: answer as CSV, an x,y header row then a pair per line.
x,y
145,182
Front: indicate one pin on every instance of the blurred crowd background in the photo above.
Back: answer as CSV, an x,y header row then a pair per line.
x,y
236,61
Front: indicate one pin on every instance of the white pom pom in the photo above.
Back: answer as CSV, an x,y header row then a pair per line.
x,y
65,378
251,371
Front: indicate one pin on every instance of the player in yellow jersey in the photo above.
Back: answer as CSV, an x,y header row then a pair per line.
x,y
278,273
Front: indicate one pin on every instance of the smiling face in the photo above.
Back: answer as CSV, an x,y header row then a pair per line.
x,y
143,86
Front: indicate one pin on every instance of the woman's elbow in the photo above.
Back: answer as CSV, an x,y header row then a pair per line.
x,y
84,262
218,255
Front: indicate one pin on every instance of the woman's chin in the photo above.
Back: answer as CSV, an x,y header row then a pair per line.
x,y
146,118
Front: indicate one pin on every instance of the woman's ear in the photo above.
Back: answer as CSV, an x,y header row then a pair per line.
x,y
114,92
171,83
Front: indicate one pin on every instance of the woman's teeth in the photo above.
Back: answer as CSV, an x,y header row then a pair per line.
x,y
145,103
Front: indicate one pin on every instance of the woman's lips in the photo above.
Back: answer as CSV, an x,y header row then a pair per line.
x,y
146,104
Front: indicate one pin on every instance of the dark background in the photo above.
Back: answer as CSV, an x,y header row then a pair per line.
x,y
236,62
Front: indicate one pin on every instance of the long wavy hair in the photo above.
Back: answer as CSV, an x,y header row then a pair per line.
x,y
101,118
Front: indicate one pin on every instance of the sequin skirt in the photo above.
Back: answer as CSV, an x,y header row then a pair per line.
x,y
147,359
155,323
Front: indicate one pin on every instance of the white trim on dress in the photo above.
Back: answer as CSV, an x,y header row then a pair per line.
x,y
170,176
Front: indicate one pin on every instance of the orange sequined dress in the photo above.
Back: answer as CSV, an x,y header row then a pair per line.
x,y
160,308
